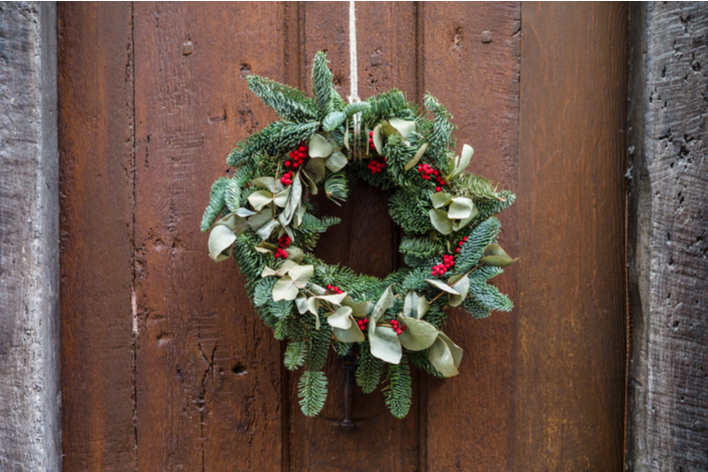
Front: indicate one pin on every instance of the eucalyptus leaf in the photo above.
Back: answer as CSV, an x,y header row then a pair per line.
x,y
309,181
359,310
351,335
334,299
258,220
221,239
302,274
442,286
440,199
440,355
301,303
267,271
285,289
384,343
417,157
333,119
440,221
494,255
245,212
265,231
319,146
454,349
299,214
268,183
418,334
384,303
463,161
313,306
378,139
459,224
341,318
415,306
336,161
316,167
346,138
460,208
259,199
404,127
461,285
281,198
295,253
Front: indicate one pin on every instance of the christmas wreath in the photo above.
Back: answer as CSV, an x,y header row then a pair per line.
x,y
262,217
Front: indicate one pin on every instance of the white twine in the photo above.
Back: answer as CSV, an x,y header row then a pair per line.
x,y
353,76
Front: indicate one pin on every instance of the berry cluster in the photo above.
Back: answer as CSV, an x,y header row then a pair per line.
x,y
371,140
362,323
426,172
448,263
283,244
333,289
397,327
377,164
460,243
297,157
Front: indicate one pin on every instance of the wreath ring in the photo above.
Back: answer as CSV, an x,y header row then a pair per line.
x,y
263,218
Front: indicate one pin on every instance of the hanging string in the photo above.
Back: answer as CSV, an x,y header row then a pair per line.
x,y
353,76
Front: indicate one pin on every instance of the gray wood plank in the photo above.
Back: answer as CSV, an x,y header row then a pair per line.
x,y
667,424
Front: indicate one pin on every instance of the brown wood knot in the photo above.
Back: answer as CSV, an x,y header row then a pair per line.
x,y
349,364
187,48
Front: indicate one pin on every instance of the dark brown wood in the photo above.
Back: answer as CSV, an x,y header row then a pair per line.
x,y
668,272
208,390
478,81
189,378
569,352
366,241
96,153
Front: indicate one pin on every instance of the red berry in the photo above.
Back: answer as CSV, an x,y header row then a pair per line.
x,y
438,189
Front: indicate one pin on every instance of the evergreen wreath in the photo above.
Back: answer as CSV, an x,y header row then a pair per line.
x,y
263,218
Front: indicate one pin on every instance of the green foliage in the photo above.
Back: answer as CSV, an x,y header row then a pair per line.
x,y
369,370
295,355
471,252
287,102
263,155
322,84
312,391
336,187
410,210
309,231
440,136
398,392
216,203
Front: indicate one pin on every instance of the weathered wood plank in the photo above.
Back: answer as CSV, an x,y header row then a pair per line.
x,y
96,152
667,420
366,241
30,423
472,67
208,391
569,359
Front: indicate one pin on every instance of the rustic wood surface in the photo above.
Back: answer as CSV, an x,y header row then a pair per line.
x,y
569,349
96,152
191,379
667,421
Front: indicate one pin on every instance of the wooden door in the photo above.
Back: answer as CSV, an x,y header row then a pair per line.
x,y
166,367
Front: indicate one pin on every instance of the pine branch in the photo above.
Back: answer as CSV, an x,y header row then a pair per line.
x,y
295,355
322,84
288,102
369,369
398,392
440,137
217,203
471,250
336,187
312,390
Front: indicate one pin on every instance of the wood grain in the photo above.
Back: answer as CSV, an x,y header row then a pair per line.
x,y
96,155
667,419
366,241
208,391
569,354
472,67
